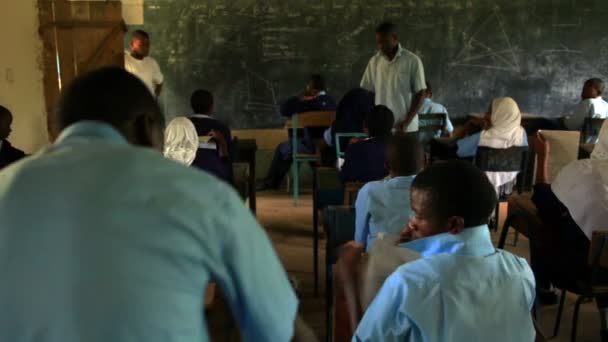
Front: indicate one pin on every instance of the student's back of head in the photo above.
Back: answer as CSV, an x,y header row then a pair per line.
x,y
202,101
404,155
451,196
379,122
116,97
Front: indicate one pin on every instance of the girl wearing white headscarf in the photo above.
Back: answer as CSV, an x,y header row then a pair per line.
x,y
571,208
181,140
501,128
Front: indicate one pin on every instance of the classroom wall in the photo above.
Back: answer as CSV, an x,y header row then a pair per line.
x,y
21,74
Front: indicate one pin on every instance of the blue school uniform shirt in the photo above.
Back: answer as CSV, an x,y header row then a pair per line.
x,y
382,207
104,241
462,289
467,146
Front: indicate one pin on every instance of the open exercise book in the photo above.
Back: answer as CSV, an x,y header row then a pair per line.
x,y
383,259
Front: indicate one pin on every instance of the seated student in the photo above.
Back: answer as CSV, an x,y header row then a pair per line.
x,y
8,153
350,115
117,243
202,104
365,160
500,128
383,206
430,107
181,141
462,288
591,106
315,98
570,209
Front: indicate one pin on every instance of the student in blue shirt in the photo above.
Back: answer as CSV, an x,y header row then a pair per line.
x,y
365,159
384,206
315,98
431,107
462,288
104,239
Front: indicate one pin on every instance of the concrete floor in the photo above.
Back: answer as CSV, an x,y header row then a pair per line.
x,y
291,232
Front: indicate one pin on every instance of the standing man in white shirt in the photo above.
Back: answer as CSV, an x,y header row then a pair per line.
x,y
139,63
396,77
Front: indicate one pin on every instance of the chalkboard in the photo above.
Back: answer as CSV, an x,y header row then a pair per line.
x,y
254,53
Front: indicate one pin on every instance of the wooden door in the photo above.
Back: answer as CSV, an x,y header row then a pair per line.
x,y
77,36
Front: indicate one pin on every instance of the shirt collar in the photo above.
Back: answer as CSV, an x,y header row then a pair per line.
x,y
400,179
399,53
322,93
474,241
91,130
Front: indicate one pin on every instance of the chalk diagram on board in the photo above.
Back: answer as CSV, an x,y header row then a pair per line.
x,y
479,53
256,103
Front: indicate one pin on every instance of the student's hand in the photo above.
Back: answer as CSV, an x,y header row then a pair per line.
x,y
350,256
354,140
541,145
406,235
221,141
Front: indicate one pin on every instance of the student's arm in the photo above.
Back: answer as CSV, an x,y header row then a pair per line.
x,y
384,319
362,216
467,146
418,85
367,82
541,148
158,80
252,277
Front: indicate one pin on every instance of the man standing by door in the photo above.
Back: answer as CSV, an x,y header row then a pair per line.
x,y
139,63
396,77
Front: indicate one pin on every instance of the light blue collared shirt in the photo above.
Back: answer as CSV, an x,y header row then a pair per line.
x,y
104,241
382,207
462,289
430,107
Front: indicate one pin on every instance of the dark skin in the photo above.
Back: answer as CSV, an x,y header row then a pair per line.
x,y
589,91
388,44
473,125
310,92
140,49
6,120
422,224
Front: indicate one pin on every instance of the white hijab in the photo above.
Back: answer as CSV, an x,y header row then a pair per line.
x,y
582,186
181,140
506,131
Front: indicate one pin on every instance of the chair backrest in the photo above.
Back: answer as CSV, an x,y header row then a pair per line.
x,y
430,126
351,189
340,228
311,119
564,150
512,159
598,250
339,151
591,130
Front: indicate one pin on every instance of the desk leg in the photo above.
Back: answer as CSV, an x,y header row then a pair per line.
x,y
315,233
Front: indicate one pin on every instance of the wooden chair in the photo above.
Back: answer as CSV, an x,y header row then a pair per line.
x,y
512,159
301,121
339,151
591,130
430,126
327,191
598,261
340,227
351,189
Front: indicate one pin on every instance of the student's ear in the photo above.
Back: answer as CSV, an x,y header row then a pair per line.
x,y
455,224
